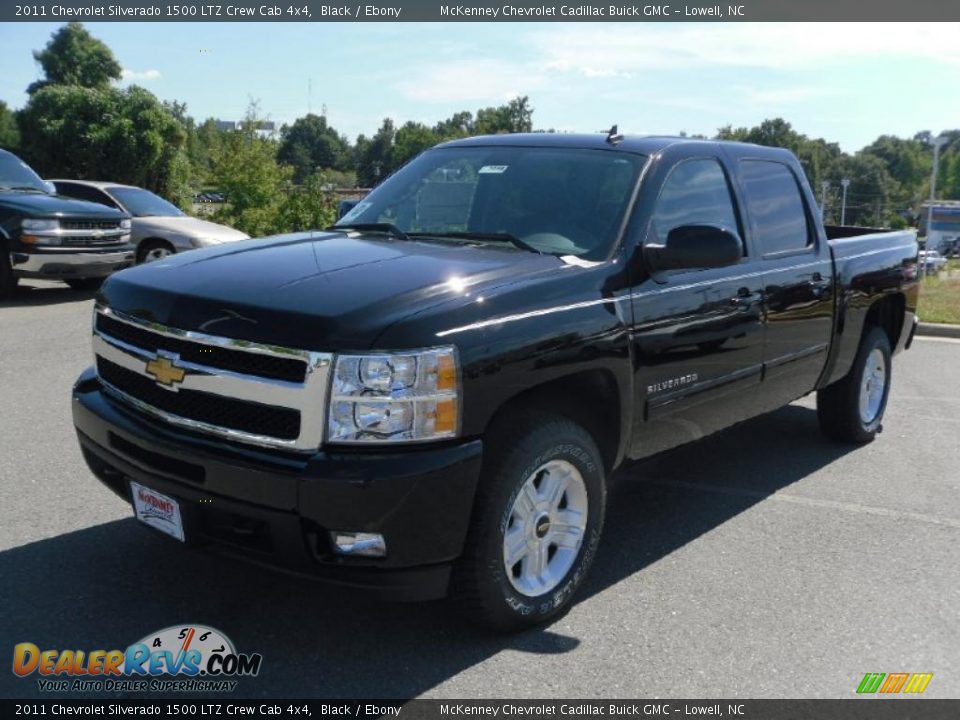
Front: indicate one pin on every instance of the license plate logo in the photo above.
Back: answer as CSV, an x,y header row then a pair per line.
x,y
157,510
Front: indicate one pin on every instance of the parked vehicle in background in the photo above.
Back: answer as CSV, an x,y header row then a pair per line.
x,y
47,236
159,227
432,395
932,261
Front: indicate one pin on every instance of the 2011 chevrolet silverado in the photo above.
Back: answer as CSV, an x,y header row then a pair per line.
x,y
430,396
51,237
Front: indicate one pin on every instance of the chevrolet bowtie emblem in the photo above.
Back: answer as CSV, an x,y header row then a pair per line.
x,y
165,372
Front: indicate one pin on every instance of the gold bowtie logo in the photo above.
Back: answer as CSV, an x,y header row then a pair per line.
x,y
165,372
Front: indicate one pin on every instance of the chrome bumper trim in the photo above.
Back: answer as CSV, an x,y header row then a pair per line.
x,y
307,397
35,262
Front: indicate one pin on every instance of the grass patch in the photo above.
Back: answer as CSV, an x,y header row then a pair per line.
x,y
940,296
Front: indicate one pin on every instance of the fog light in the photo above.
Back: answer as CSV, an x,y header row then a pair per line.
x,y
359,544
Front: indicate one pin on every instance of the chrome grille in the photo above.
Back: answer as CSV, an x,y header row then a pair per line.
x,y
247,392
68,224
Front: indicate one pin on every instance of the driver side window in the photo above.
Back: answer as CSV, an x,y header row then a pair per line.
x,y
695,192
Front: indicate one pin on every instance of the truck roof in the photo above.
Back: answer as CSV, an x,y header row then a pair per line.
x,y
642,144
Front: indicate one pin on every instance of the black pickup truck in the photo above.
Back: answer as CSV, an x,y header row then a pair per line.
x,y
47,236
430,396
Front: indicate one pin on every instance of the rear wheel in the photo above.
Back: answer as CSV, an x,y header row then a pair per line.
x,y
8,281
153,250
536,524
85,284
851,410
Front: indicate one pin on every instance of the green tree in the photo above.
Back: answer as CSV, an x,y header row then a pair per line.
x,y
74,57
9,133
310,206
310,144
245,168
872,197
457,125
207,141
514,117
126,136
373,155
411,139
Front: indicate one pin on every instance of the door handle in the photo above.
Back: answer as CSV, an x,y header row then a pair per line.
x,y
745,298
818,286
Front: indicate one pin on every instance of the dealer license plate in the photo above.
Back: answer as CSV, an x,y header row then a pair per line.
x,y
157,510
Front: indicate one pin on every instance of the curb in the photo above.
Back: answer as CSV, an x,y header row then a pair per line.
x,y
939,330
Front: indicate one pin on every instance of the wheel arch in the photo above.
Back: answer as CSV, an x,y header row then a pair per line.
x,y
153,239
590,398
887,313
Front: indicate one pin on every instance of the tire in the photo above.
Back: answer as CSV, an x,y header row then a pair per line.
x,y
152,250
537,453
85,284
851,410
8,281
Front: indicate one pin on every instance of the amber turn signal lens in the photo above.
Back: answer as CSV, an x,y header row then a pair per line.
x,y
446,373
446,416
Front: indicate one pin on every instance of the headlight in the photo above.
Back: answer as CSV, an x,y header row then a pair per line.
x,y
126,224
35,225
395,397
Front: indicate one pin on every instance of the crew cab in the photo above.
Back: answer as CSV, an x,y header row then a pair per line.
x,y
46,236
430,396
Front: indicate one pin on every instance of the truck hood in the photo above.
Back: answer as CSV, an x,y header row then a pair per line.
x,y
316,291
37,205
187,227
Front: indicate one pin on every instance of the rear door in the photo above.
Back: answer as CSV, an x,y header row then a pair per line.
x,y
697,336
798,278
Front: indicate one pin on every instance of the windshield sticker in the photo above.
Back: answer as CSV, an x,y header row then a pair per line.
x,y
356,211
493,169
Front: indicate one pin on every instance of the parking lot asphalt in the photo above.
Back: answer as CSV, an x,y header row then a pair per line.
x,y
760,562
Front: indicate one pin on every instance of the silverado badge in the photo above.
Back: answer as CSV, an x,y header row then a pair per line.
x,y
165,371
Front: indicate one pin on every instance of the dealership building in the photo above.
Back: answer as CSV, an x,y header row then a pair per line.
x,y
944,231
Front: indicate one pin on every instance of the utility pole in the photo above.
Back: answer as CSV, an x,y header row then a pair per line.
x,y
843,211
938,142
824,186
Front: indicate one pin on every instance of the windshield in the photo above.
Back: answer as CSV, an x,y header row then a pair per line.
x,y
143,203
555,200
16,174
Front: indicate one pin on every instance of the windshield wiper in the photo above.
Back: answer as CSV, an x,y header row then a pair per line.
x,y
484,237
388,228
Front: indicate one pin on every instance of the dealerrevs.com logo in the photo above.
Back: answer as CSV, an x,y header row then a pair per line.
x,y
187,658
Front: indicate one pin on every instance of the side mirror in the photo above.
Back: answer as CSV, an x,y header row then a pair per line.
x,y
50,187
344,207
695,246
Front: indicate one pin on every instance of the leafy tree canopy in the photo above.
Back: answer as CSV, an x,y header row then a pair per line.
x,y
310,144
74,57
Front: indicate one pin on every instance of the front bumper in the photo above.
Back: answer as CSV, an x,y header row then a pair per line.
x,y
278,509
56,265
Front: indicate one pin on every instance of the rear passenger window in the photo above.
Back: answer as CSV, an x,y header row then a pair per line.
x,y
775,207
696,192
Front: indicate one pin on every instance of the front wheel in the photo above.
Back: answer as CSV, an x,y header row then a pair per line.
x,y
154,250
851,409
536,524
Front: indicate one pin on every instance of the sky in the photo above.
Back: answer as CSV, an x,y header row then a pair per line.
x,y
848,83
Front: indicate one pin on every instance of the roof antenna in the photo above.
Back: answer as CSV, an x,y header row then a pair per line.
x,y
613,137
